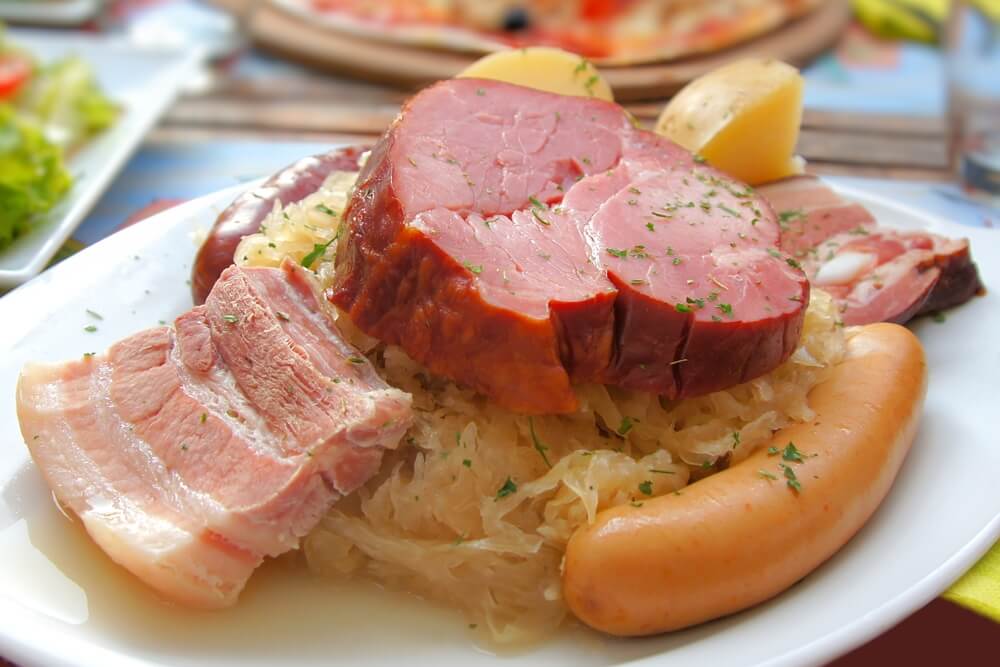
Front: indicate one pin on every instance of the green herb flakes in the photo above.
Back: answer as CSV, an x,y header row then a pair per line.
x,y
509,487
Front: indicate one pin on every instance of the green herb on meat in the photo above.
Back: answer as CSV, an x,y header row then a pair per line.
x,y
646,487
540,447
507,489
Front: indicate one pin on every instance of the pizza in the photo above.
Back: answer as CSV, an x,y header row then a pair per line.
x,y
609,32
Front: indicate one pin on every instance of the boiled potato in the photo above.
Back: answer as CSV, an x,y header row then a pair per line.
x,y
743,118
543,68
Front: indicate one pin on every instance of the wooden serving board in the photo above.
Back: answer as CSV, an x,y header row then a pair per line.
x,y
412,67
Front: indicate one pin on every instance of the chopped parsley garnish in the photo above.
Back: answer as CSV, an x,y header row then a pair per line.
x,y
539,218
95,315
282,315
699,159
323,208
726,308
625,426
790,479
467,463
535,202
355,359
677,261
507,489
232,319
480,92
658,215
773,253
787,216
475,268
773,451
646,487
203,418
540,447
634,190
735,214
792,263
637,281
662,472
319,249
90,328
766,475
682,308
615,252
736,439
650,226
700,303
938,317
792,453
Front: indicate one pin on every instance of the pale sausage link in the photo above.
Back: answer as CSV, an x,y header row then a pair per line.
x,y
744,535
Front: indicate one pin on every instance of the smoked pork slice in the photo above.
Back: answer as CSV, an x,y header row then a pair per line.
x,y
519,241
192,452
875,274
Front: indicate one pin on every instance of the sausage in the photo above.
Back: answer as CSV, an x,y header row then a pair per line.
x,y
739,537
244,215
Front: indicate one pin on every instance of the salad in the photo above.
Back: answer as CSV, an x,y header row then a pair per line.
x,y
47,110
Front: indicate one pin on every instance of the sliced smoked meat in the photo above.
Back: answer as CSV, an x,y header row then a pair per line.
x,y
519,241
190,453
875,274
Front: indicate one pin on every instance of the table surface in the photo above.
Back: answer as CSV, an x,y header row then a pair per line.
x,y
873,110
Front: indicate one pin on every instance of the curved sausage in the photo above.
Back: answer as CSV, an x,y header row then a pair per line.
x,y
244,215
741,536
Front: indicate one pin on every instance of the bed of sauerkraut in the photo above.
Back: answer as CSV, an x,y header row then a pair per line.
x,y
476,505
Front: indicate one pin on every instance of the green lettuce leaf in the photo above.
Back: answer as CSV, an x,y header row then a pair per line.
x,y
32,174
64,97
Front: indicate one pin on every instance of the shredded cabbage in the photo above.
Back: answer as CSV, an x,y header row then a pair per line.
x,y
476,506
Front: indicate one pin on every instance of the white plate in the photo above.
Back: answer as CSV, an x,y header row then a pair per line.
x,y
50,12
144,83
63,603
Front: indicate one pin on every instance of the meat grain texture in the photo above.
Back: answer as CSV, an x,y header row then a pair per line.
x,y
874,273
192,452
519,242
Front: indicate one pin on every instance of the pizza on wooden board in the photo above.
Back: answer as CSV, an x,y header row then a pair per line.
x,y
609,32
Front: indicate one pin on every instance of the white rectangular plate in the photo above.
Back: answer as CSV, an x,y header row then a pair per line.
x,y
143,83
62,602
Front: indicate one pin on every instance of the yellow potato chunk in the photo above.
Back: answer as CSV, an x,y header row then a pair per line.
x,y
743,118
543,68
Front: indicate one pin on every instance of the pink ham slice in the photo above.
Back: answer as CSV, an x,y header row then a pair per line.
x,y
875,274
519,242
191,453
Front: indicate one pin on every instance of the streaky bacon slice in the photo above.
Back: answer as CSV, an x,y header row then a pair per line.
x,y
875,274
190,453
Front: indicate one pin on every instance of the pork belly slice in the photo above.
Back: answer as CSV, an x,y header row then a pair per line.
x,y
519,241
875,274
191,453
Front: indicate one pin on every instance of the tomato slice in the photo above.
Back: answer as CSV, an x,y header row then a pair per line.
x,y
14,73
600,10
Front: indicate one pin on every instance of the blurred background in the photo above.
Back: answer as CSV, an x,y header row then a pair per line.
x,y
890,84
901,96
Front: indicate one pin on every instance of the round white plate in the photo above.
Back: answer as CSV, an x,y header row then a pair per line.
x,y
63,603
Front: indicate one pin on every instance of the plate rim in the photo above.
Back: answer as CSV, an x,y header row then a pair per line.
x,y
872,623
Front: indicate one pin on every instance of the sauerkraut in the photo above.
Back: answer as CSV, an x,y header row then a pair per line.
x,y
476,505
